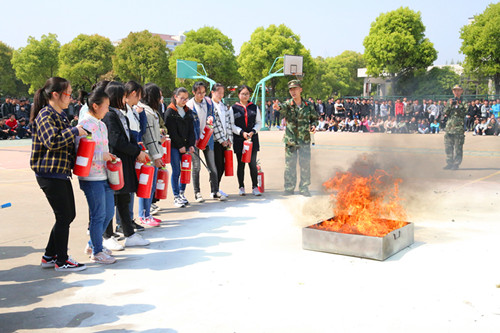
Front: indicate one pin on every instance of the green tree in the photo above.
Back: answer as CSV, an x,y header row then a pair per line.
x,y
85,59
338,76
481,46
143,57
257,56
7,74
396,44
214,50
37,61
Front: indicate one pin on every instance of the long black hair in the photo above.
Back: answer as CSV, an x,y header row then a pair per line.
x,y
44,94
97,96
132,86
116,91
152,96
177,92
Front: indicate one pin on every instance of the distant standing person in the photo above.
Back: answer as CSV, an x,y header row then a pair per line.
x,y
454,138
300,117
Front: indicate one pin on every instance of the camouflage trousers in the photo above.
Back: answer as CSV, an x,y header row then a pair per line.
x,y
453,146
303,153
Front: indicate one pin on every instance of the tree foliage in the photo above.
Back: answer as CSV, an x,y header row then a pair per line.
x,y
143,57
437,81
337,76
396,43
481,46
210,47
37,61
7,74
257,56
85,59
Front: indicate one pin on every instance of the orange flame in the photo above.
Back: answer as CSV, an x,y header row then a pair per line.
x,y
366,205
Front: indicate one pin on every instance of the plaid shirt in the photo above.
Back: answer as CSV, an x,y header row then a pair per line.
x,y
219,134
53,146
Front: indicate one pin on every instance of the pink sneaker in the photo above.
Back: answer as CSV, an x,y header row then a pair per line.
x,y
155,219
149,222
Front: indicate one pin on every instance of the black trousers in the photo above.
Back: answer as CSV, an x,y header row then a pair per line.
x,y
220,161
241,169
59,193
122,201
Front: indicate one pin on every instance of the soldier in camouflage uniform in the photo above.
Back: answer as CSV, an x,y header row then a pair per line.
x,y
455,137
300,116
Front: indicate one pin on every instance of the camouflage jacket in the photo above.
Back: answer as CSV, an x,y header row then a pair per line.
x,y
455,112
299,120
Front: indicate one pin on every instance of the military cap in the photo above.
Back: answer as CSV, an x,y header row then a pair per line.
x,y
294,84
457,87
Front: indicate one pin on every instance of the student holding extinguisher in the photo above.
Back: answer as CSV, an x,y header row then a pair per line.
x,y
180,125
124,145
52,158
100,197
246,121
152,140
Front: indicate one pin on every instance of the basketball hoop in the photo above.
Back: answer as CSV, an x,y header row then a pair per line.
x,y
292,65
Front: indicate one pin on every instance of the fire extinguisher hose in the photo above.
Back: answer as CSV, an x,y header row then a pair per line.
x,y
208,169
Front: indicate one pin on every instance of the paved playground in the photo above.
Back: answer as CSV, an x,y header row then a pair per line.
x,y
238,266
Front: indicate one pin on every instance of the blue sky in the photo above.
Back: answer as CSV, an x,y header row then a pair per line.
x,y
326,28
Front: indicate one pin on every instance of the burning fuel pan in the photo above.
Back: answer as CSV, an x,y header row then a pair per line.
x,y
378,248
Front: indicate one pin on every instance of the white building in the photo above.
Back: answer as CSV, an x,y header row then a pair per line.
x,y
172,41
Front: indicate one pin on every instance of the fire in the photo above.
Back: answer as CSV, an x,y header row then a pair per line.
x,y
366,204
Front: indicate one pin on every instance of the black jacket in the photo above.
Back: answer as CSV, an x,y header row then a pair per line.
x,y
124,148
180,129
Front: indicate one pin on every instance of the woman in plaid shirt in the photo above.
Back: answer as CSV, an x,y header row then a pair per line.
x,y
52,158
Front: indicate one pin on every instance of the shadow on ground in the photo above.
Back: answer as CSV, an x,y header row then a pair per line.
x,y
74,315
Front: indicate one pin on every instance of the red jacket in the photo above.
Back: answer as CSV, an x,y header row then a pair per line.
x,y
400,108
11,123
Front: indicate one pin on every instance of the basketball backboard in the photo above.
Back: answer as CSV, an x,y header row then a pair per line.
x,y
292,65
187,69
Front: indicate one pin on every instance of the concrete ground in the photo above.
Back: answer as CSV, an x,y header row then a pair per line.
x,y
238,266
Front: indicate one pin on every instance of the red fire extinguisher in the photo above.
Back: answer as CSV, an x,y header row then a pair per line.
x,y
246,157
161,184
84,156
114,170
204,137
228,162
186,169
138,166
146,181
166,150
260,179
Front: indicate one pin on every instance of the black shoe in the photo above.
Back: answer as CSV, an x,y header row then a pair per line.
x,y
288,192
138,227
305,193
448,167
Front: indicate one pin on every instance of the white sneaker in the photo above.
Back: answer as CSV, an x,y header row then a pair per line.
x,y
103,258
223,193
178,202
88,250
183,197
256,192
136,240
198,197
154,209
242,191
218,196
112,244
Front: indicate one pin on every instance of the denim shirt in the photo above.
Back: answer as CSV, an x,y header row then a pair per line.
x,y
196,123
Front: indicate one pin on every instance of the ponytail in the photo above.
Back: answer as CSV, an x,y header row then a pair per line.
x,y
44,94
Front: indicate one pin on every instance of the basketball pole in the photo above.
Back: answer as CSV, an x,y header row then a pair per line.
x,y
262,86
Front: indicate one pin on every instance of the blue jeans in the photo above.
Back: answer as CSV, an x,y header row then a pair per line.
x,y
130,209
175,163
145,204
101,200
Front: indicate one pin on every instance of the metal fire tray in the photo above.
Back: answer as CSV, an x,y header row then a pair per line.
x,y
378,248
